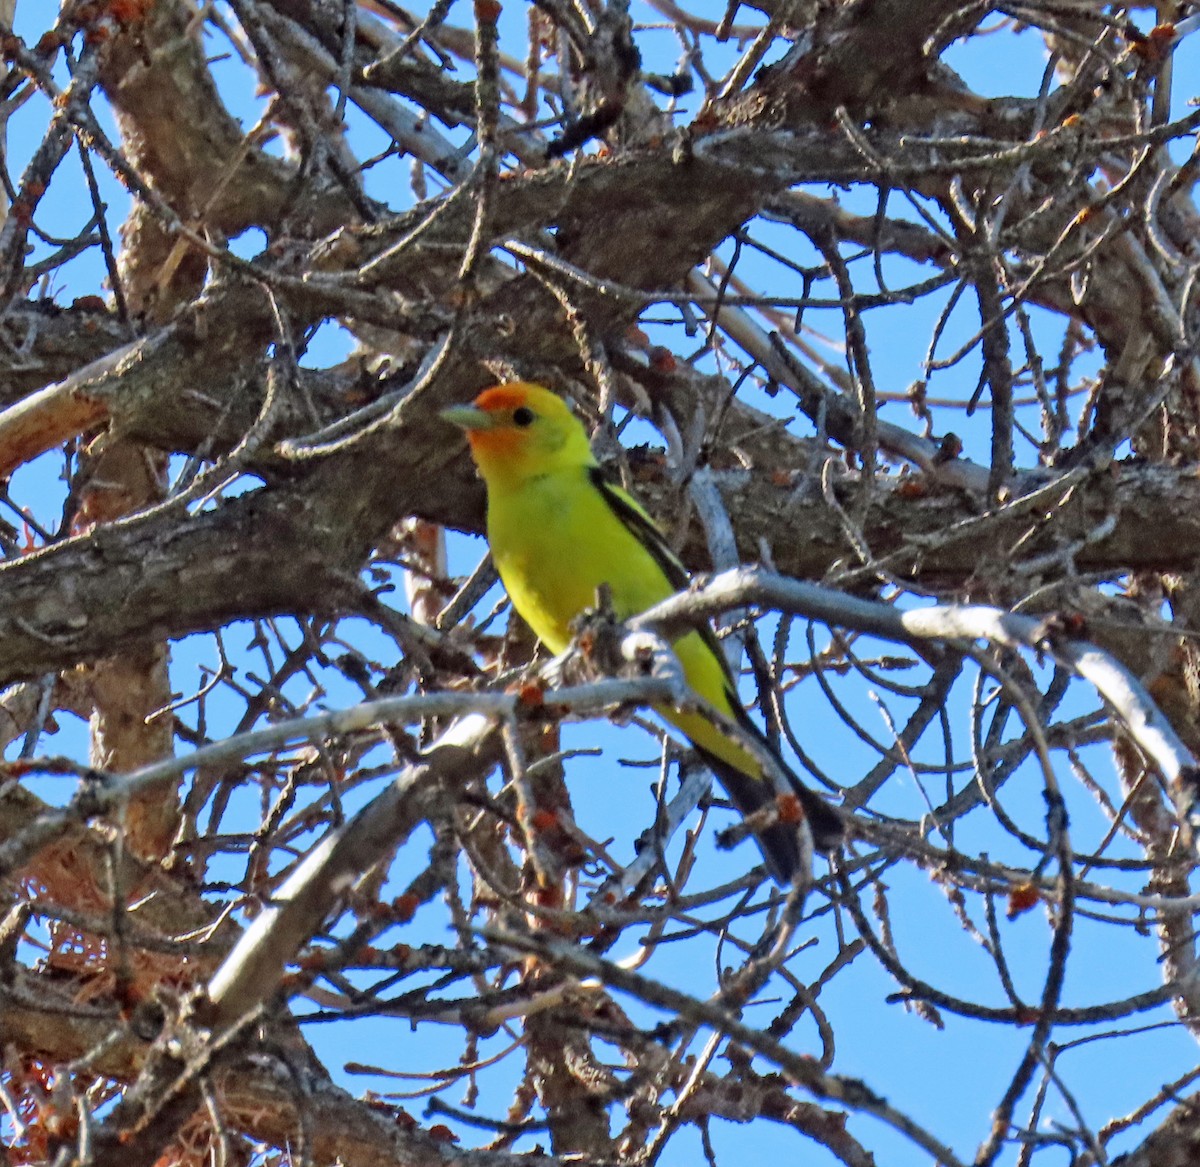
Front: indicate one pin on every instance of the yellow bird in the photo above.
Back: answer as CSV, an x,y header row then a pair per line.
x,y
558,529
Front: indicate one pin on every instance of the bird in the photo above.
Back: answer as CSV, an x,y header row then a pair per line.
x,y
558,528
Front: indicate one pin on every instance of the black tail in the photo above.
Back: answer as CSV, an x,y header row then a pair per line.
x,y
779,844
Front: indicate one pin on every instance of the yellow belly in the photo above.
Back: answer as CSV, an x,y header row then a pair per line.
x,y
554,542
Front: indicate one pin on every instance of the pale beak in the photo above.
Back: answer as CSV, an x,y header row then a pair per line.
x,y
468,417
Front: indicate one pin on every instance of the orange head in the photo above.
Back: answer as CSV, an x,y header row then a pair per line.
x,y
520,431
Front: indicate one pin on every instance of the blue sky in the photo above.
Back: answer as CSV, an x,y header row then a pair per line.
x,y
948,1079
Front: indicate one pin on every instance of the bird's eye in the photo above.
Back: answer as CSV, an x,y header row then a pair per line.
x,y
523,416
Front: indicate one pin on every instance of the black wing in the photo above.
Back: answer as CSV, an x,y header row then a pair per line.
x,y
631,514
779,844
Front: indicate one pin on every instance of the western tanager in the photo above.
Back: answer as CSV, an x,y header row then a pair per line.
x,y
558,529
